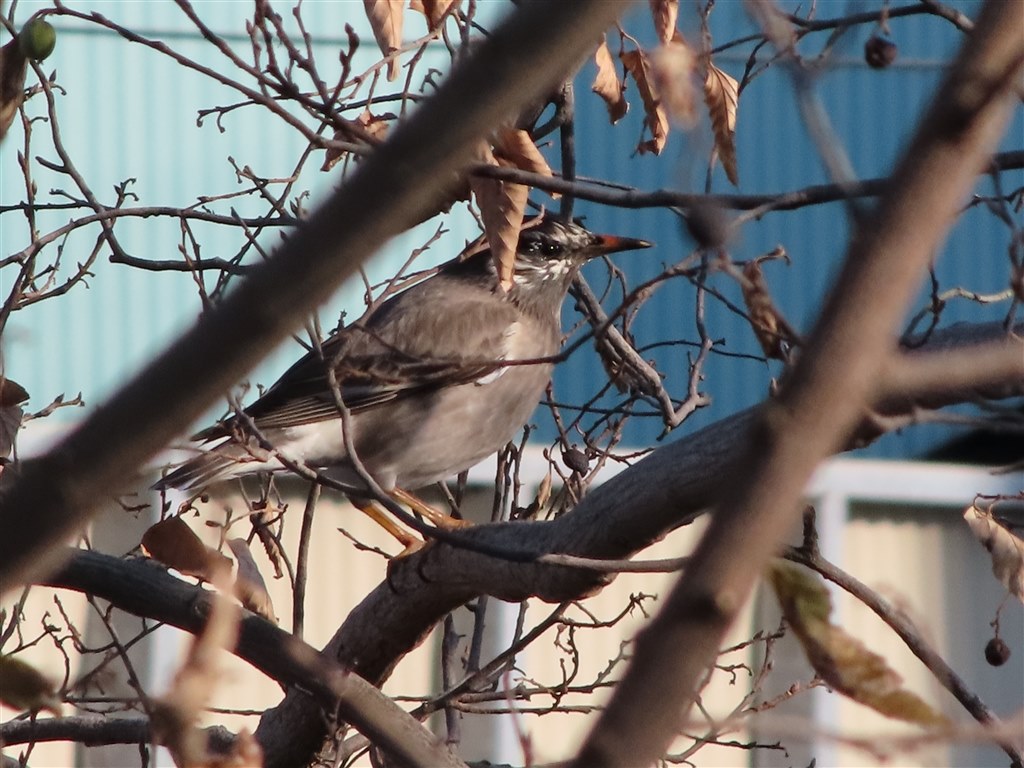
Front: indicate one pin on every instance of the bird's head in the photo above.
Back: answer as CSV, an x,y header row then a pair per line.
x,y
548,256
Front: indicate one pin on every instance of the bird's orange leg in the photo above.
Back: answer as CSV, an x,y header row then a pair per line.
x,y
420,507
407,540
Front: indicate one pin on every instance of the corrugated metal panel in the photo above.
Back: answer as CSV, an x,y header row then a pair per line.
x,y
130,112
873,113
92,339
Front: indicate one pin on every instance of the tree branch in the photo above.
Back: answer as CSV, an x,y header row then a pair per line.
x,y
145,588
667,489
823,400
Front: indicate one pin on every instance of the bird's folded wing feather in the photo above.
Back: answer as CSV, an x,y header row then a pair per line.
x,y
410,344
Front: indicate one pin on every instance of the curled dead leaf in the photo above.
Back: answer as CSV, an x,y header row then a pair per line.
x,y
385,18
502,204
840,660
775,335
1006,549
249,586
665,13
721,93
174,544
434,10
366,127
22,686
673,67
655,117
12,395
607,84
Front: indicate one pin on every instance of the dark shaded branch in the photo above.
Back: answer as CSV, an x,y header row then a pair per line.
x,y
667,489
823,399
144,588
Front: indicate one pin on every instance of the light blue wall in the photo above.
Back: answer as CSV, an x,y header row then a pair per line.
x,y
130,112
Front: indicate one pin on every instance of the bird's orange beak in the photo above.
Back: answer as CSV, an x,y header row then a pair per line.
x,y
613,244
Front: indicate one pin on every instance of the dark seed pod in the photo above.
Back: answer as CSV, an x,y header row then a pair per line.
x,y
880,52
997,652
576,460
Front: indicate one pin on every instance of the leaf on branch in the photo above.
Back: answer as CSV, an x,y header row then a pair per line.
x,y
722,93
249,586
665,13
386,21
174,544
775,335
673,67
12,395
22,686
13,67
366,125
502,203
1006,549
607,84
35,41
842,661
434,10
655,117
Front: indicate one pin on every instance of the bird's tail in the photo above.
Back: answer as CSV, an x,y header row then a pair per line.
x,y
224,462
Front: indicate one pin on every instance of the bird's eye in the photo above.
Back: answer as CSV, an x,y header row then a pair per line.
x,y
550,249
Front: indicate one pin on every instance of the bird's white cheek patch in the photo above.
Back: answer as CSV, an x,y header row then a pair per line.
x,y
509,343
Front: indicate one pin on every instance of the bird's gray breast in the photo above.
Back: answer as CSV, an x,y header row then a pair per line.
x,y
434,435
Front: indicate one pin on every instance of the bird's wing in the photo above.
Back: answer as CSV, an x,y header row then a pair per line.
x,y
412,343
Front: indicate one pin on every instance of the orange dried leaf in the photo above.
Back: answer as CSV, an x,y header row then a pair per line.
x,y
515,147
773,332
664,13
13,68
386,21
607,84
721,92
249,586
839,659
501,207
434,10
22,686
1006,549
673,67
174,544
12,395
655,117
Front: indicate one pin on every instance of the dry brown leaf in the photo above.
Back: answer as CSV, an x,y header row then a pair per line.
x,y
13,67
721,92
502,205
366,127
655,117
386,21
12,395
1006,549
514,146
174,544
775,335
607,84
249,586
673,67
664,13
22,686
842,661
434,10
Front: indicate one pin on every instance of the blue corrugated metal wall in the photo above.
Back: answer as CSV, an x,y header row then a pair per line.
x,y
873,113
130,112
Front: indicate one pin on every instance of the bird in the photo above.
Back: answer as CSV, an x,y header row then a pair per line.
x,y
435,379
